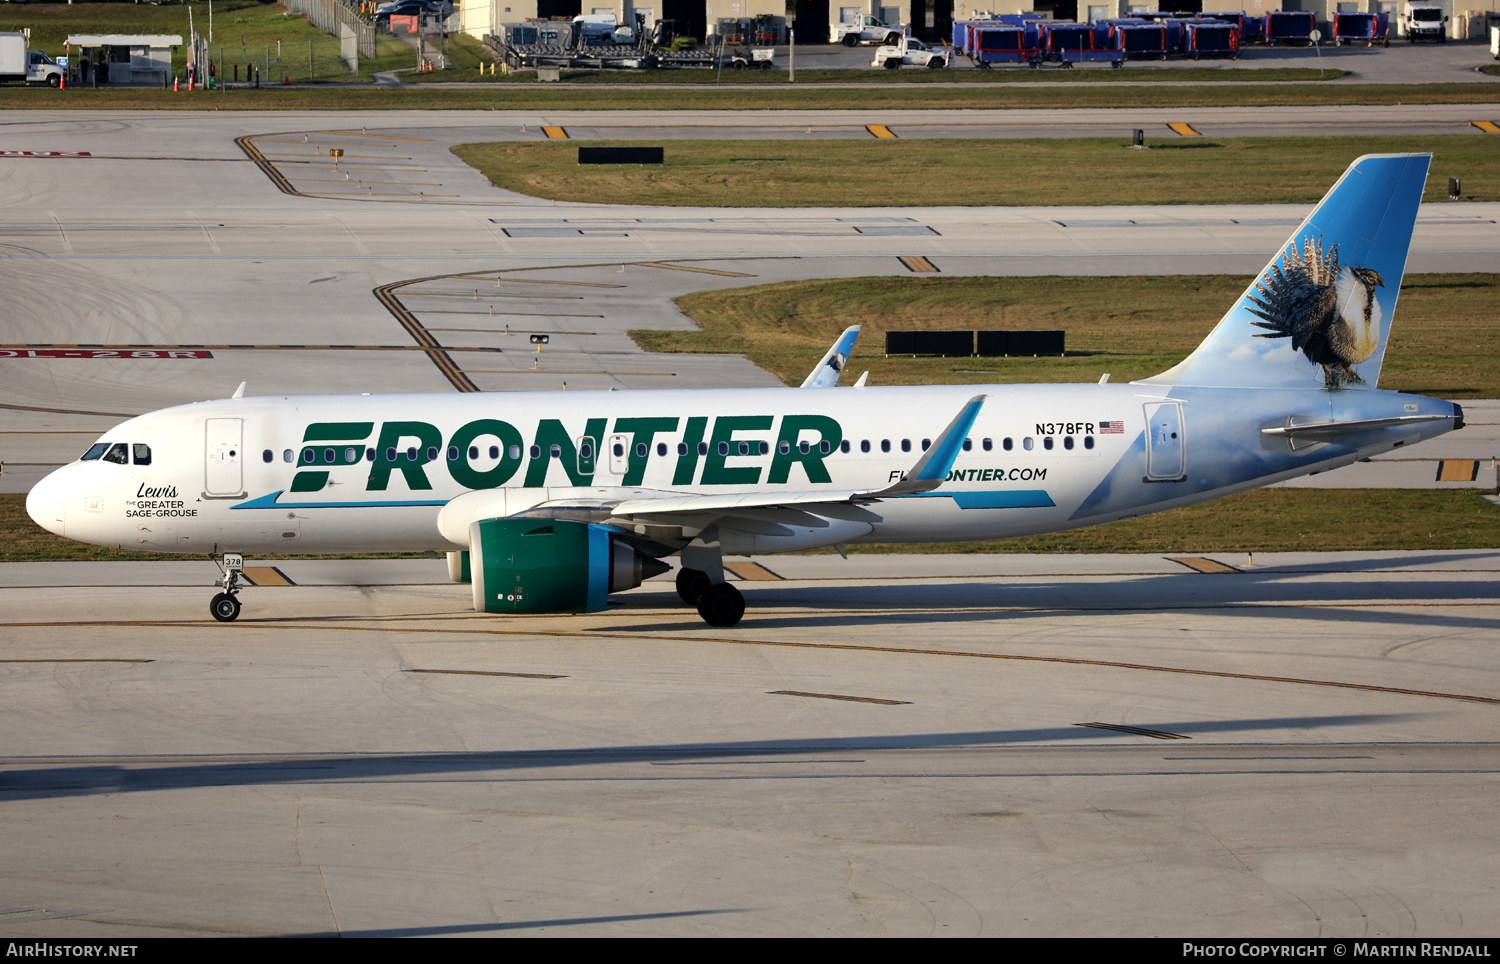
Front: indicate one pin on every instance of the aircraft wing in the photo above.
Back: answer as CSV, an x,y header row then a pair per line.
x,y
928,473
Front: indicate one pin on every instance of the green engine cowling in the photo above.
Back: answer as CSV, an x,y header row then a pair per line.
x,y
550,566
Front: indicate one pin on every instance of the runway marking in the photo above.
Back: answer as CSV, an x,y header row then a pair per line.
x,y
483,672
335,180
1457,470
517,331
1138,731
267,576
63,411
918,264
200,351
1199,564
752,571
74,351
491,630
835,696
556,133
363,157
266,167
1489,127
512,314
683,267
881,131
69,660
383,137
545,371
1186,130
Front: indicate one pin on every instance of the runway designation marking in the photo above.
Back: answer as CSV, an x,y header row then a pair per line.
x,y
1186,130
918,264
485,672
1199,564
10,351
1457,470
847,699
880,131
1489,127
556,133
752,571
267,576
1154,734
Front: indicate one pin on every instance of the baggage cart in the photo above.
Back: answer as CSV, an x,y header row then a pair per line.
x,y
1211,38
1353,28
1290,27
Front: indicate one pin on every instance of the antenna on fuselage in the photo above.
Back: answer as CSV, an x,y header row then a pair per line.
x,y
239,392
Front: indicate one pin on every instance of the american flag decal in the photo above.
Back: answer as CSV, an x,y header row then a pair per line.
x,y
1111,428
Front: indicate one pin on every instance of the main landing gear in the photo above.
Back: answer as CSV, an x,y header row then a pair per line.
x,y
225,607
720,604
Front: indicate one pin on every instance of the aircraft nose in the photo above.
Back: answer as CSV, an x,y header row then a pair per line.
x,y
47,505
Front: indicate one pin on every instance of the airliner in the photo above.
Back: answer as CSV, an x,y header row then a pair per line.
x,y
549,502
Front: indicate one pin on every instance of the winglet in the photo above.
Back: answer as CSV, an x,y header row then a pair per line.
x,y
826,373
933,467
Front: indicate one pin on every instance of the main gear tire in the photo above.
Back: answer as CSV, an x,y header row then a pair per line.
x,y
690,585
721,605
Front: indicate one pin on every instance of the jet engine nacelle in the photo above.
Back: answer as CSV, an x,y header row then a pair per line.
x,y
551,566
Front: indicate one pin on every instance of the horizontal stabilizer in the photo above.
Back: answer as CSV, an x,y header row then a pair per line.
x,y
1323,431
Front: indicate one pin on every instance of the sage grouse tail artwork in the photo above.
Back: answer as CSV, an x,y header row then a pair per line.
x,y
1319,314
1328,311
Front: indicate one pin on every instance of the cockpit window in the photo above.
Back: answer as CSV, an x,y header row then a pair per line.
x,y
95,450
141,453
117,454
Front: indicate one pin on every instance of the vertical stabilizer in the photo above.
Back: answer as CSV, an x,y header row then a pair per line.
x,y
1320,313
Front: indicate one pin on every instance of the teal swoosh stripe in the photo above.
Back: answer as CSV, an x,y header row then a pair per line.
x,y
269,502
1007,499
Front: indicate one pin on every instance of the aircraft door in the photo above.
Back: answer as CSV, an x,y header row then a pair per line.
x,y
1166,459
223,457
619,454
587,455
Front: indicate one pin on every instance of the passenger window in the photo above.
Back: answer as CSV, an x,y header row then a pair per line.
x,y
661,448
116,454
703,448
640,450
864,445
885,445
926,444
268,456
968,445
286,455
1068,442
1028,443
556,451
1047,443
1008,445
744,448
95,450
682,448
906,445
784,447
844,446
723,448
988,445
515,453
825,446
473,452
1088,441
452,453
141,453
802,447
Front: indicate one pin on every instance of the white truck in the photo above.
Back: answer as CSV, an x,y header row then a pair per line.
x,y
864,30
1425,21
29,66
909,53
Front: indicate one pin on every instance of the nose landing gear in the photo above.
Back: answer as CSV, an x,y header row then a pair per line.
x,y
225,607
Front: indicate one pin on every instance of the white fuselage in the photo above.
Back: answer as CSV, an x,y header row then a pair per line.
x,y
308,474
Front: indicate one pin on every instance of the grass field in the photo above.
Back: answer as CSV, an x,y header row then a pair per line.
x,y
789,173
1129,327
1267,520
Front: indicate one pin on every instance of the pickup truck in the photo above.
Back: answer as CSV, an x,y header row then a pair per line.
x,y
30,66
909,53
866,30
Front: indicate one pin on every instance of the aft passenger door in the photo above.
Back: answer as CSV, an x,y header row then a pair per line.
x,y
1166,459
223,458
